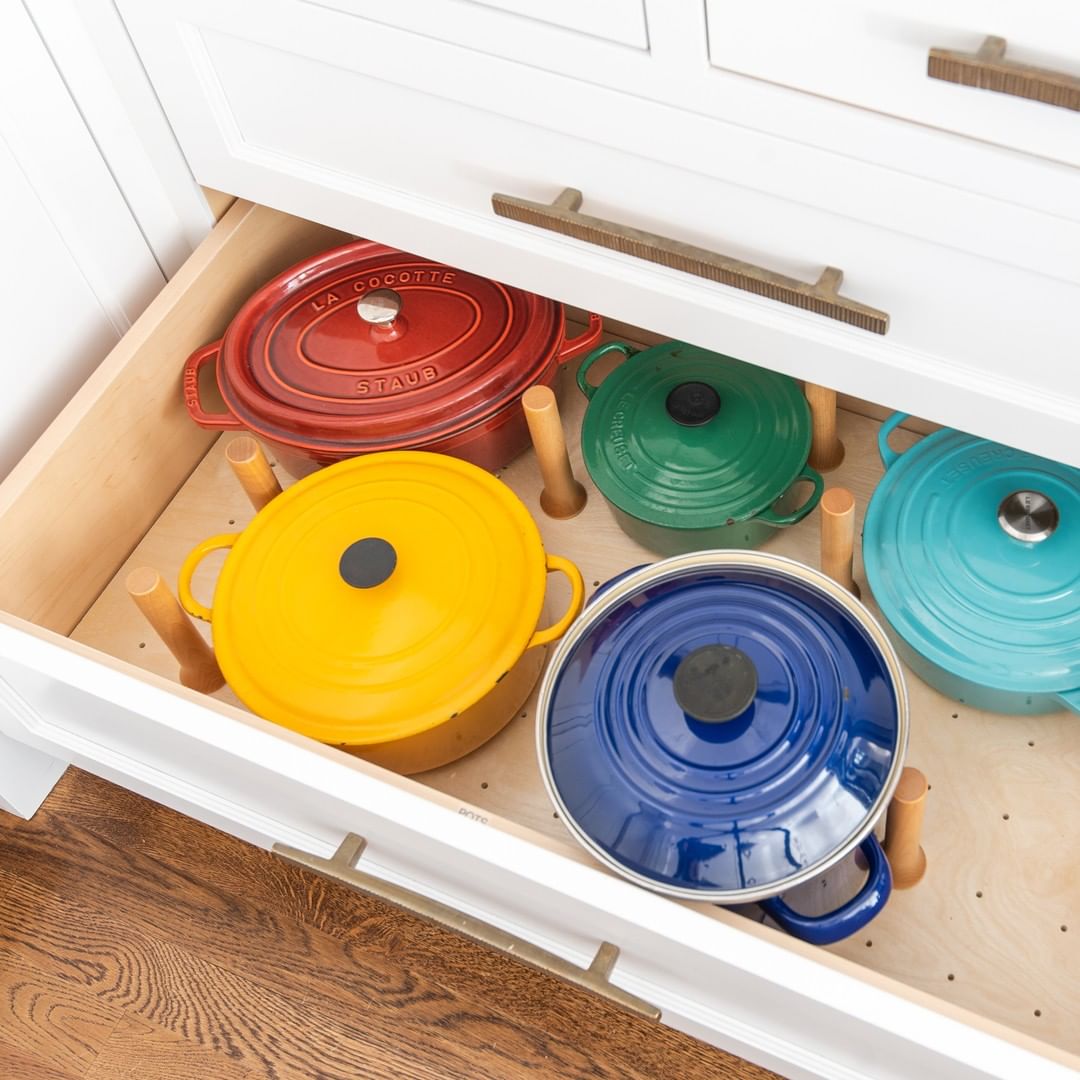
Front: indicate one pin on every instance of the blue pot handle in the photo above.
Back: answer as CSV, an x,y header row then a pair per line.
x,y
1070,699
612,581
584,385
846,920
778,521
888,454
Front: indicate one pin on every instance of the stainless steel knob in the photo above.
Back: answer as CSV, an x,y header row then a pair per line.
x,y
1028,516
380,307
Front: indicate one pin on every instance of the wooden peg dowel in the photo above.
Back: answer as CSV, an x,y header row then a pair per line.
x,y
903,828
198,667
253,471
562,496
838,536
826,449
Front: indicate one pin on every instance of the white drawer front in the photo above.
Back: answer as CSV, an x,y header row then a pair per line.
x,y
712,977
874,54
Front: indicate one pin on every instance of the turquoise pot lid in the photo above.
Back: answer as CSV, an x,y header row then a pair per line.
x,y
972,550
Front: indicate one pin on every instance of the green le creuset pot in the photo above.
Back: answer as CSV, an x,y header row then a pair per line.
x,y
695,450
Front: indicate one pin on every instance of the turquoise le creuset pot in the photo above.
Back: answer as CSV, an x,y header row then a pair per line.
x,y
723,726
972,550
695,450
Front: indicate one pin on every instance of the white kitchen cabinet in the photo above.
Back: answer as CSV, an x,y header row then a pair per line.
x,y
403,131
92,55
77,270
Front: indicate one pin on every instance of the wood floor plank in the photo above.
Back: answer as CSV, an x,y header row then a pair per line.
x,y
47,1019
16,1064
137,1050
6,881
275,1033
635,1048
214,1010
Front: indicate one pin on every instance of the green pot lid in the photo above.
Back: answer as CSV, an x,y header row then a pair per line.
x,y
690,439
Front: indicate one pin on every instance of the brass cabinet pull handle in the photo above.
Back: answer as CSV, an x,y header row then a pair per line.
x,y
341,867
988,69
822,297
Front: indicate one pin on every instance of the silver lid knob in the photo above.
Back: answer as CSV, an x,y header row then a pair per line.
x,y
1028,516
380,307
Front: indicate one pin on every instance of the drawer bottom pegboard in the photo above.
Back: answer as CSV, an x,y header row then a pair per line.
x,y
995,924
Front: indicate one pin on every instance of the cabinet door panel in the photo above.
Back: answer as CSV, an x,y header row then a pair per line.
x,y
873,53
506,27
77,270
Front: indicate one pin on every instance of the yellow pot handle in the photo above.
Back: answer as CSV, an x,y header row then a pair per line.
x,y
577,598
187,571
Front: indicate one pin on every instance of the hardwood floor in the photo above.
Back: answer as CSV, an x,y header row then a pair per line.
x,y
136,943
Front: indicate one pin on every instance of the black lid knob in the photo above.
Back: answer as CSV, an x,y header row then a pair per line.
x,y
692,404
367,563
715,683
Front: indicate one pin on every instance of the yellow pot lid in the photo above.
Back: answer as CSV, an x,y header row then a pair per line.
x,y
378,597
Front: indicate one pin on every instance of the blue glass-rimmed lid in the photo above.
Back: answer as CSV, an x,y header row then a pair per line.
x,y
972,550
722,725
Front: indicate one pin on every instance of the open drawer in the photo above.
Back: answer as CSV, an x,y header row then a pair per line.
x,y
972,974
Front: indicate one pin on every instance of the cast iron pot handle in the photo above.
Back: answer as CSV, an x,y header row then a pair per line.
x,y
1070,699
613,581
888,454
572,347
770,517
187,571
577,598
195,363
584,385
852,916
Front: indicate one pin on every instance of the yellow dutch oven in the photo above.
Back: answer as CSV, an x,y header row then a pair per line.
x,y
387,605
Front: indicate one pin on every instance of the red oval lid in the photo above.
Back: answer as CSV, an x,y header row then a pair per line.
x,y
369,348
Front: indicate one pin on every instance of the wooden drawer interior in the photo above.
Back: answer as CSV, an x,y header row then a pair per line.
x,y
123,478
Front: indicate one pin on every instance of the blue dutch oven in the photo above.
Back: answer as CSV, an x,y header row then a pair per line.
x,y
723,726
972,550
